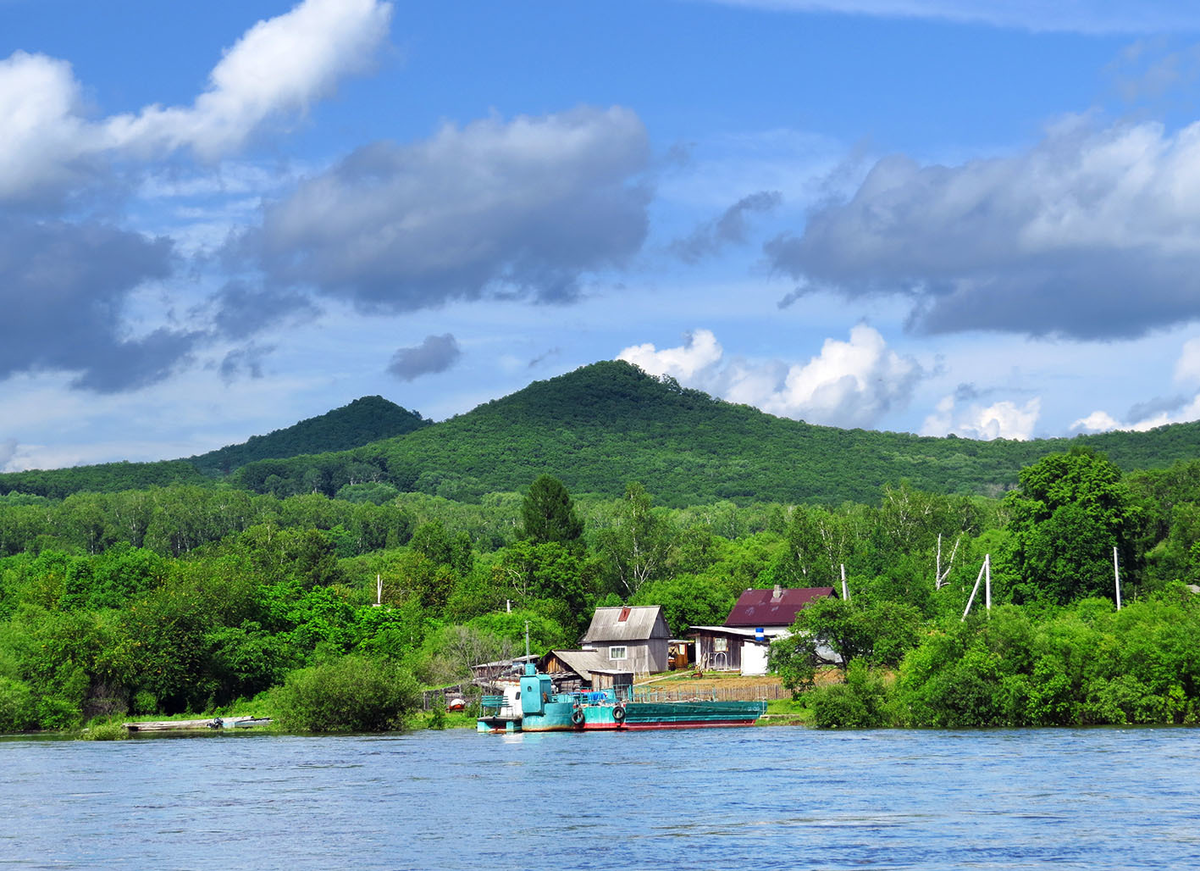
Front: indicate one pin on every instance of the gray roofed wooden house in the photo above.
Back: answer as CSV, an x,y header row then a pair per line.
x,y
630,637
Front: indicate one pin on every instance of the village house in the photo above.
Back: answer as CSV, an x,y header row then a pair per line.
x,y
631,638
758,617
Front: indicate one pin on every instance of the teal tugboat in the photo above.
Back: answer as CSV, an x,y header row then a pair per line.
x,y
533,706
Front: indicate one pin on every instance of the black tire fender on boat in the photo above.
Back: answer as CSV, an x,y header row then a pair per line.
x,y
619,713
577,716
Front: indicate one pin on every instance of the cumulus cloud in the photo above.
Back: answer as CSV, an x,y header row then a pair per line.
x,y
1141,419
1000,420
518,208
1087,16
1187,367
729,229
1091,234
1158,411
849,384
63,288
66,287
45,141
8,450
699,352
242,311
279,66
435,354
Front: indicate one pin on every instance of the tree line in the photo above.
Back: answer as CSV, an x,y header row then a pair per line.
x,y
187,598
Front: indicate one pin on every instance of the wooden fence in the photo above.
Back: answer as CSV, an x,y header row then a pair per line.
x,y
762,692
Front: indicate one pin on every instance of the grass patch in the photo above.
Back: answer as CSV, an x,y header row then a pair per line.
x,y
105,730
785,712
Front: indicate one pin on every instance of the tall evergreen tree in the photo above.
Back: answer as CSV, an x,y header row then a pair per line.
x,y
548,514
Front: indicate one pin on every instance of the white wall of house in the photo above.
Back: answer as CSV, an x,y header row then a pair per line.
x,y
754,658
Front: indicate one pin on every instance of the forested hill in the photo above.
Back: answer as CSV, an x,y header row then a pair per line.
x,y
363,421
608,423
597,428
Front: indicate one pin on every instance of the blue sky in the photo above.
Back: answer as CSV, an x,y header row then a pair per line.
x,y
914,215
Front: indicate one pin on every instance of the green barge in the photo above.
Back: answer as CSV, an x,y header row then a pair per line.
x,y
532,705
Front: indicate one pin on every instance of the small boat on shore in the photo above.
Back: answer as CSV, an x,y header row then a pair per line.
x,y
533,706
197,725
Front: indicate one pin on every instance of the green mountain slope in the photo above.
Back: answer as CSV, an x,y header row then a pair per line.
x,y
102,478
608,423
363,421
597,428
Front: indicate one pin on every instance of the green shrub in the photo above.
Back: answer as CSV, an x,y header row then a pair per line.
x,y
17,711
859,703
348,694
106,731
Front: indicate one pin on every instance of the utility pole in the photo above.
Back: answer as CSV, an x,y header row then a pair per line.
x,y
1117,577
985,569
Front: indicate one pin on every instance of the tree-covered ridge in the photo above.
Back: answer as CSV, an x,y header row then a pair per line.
x,y
608,423
597,428
367,419
364,420
102,478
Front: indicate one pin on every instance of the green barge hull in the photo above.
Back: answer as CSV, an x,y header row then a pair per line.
x,y
534,707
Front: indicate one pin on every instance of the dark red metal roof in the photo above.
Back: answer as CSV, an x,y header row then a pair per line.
x,y
756,608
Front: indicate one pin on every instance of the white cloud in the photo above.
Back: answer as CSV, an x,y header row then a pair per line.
x,y
1187,367
1156,412
1093,233
699,351
43,132
1097,421
1102,421
1085,16
279,66
8,450
517,208
848,384
1001,420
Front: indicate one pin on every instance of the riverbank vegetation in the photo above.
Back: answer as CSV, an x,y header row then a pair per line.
x,y
190,598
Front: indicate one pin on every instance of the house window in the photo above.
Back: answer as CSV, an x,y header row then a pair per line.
x,y
720,645
617,653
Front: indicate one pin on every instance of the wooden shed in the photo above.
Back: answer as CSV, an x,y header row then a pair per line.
x,y
631,638
583,670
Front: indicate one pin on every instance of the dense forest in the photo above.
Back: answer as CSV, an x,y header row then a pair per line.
x,y
194,598
164,589
595,429
364,420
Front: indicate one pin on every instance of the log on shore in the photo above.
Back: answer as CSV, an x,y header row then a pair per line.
x,y
175,725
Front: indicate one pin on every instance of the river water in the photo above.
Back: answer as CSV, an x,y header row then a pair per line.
x,y
720,798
